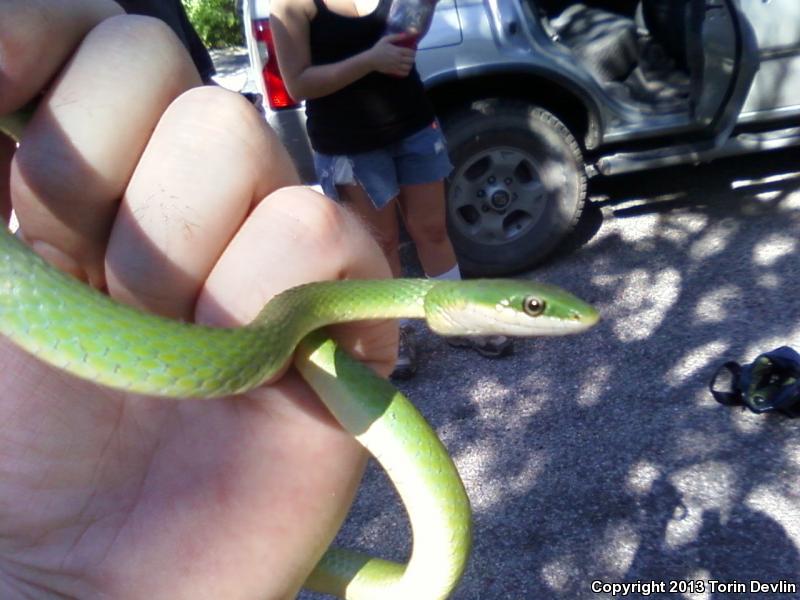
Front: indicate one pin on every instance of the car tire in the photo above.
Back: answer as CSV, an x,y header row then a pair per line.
x,y
517,189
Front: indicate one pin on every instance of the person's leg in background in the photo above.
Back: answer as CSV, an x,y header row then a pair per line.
x,y
423,208
384,225
372,197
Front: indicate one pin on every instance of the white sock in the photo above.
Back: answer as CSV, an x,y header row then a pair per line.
x,y
453,274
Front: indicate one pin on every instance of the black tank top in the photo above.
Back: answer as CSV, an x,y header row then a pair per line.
x,y
369,113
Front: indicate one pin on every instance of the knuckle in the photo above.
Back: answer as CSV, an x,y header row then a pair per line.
x,y
216,106
316,217
139,28
145,40
323,229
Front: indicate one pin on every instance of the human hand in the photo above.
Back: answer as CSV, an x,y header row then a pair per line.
x,y
151,188
390,58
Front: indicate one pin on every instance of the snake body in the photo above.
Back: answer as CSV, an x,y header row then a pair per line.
x,y
82,331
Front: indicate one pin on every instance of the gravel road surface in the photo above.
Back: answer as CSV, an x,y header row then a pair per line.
x,y
603,458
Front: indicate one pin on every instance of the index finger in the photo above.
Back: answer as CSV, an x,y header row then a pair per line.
x,y
36,37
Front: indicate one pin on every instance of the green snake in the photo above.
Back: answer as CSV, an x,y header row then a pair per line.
x,y
80,330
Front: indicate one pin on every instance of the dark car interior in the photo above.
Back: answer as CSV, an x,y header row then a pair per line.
x,y
639,50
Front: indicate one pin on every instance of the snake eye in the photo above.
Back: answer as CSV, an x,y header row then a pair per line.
x,y
533,306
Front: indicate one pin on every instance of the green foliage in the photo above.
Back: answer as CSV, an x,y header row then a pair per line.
x,y
217,22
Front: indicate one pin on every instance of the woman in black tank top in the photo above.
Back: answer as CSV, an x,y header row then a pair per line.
x,y
378,147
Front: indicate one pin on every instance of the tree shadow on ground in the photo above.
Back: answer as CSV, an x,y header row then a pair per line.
x,y
603,457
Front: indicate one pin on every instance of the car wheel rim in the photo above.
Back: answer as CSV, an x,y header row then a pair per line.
x,y
497,196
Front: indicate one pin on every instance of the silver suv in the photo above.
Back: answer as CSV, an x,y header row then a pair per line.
x,y
537,95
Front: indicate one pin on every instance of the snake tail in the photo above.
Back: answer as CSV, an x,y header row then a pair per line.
x,y
393,431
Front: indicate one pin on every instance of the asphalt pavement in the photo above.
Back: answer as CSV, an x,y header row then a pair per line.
x,y
603,457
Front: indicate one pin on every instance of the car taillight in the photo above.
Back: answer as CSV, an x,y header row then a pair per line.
x,y
277,95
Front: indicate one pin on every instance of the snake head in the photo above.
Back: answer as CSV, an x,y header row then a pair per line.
x,y
506,307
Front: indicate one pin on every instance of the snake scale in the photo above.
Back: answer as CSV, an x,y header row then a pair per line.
x,y
80,330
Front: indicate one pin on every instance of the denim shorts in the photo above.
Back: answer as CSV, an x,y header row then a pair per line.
x,y
419,158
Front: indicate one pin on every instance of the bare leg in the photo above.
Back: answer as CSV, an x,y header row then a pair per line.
x,y
423,210
382,223
385,229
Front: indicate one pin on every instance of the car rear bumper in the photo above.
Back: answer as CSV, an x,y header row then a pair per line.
x,y
290,125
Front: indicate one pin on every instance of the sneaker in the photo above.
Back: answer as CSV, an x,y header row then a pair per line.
x,y
490,346
406,365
